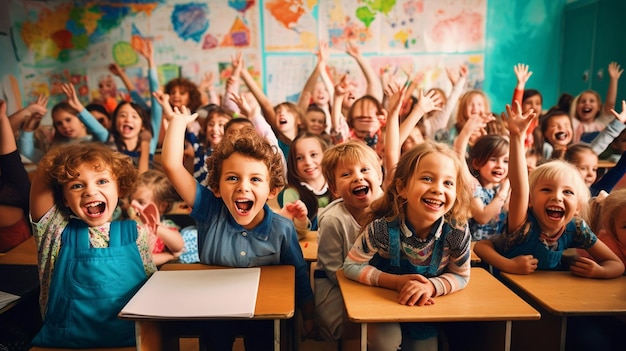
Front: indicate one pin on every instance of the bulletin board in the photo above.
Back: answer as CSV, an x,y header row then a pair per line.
x,y
56,41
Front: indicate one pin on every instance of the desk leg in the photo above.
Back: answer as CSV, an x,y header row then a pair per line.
x,y
276,334
563,332
148,336
363,336
507,336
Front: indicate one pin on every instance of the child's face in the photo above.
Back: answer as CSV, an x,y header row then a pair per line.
x,y
244,188
533,102
320,94
554,202
68,125
365,120
494,170
475,106
415,138
285,119
358,184
559,131
128,122
92,195
308,158
179,97
215,129
587,107
431,191
620,226
315,122
107,88
587,164
144,195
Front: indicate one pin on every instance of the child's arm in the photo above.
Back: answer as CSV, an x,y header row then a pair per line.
x,y
266,106
93,126
309,85
522,74
156,109
144,151
605,263
374,87
395,94
482,213
611,131
298,213
441,120
339,130
172,156
36,108
207,89
41,192
518,172
523,264
615,71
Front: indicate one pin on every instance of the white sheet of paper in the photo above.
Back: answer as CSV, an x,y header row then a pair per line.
x,y
6,298
210,293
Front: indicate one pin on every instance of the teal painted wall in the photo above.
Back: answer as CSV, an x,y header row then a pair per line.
x,y
523,32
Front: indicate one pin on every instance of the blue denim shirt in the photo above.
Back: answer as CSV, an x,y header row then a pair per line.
x,y
222,241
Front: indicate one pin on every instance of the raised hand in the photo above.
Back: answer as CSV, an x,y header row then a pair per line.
x,y
323,51
237,62
185,114
206,83
295,210
429,102
395,94
352,49
517,121
164,100
72,97
620,116
522,73
115,69
615,71
242,103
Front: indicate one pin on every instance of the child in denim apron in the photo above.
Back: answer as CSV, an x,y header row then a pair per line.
x,y
545,217
89,267
417,241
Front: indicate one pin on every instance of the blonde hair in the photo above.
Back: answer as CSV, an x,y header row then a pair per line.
x,y
554,169
464,102
392,206
350,152
162,189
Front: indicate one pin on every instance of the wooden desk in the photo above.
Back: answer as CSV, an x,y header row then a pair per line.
x,y
309,246
484,299
23,254
275,300
563,294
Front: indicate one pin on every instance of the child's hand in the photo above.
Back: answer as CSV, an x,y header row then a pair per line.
x,y
38,107
352,49
237,62
417,292
586,267
164,100
522,73
620,116
395,94
343,87
72,98
516,121
115,69
429,102
184,114
295,210
206,83
322,52
523,264
615,71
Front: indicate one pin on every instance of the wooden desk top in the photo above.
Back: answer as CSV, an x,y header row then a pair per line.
x,y
25,254
563,293
309,246
483,299
277,291
605,164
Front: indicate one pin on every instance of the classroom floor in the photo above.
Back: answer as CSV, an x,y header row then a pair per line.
x,y
191,344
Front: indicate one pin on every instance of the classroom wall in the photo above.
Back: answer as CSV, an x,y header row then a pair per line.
x,y
514,31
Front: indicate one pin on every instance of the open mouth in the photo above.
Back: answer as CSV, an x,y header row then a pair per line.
x,y
587,109
361,190
243,206
95,209
434,204
555,213
282,121
560,136
126,128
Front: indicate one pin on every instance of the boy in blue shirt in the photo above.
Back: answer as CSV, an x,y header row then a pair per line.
x,y
240,230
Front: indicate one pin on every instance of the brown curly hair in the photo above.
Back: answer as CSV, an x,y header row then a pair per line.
x,y
248,143
60,165
185,85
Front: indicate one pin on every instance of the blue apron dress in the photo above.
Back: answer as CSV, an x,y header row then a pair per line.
x,y
90,286
393,265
